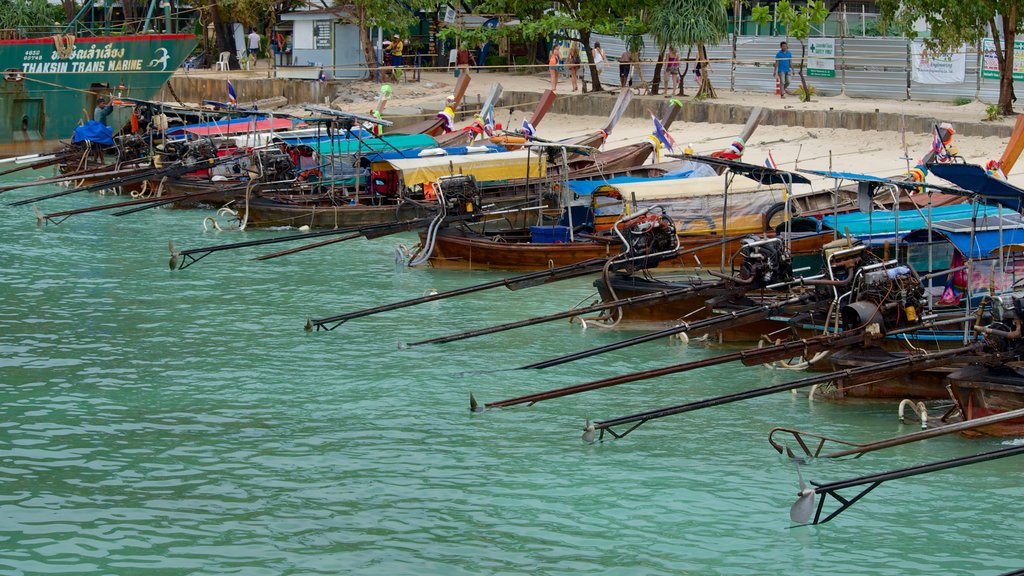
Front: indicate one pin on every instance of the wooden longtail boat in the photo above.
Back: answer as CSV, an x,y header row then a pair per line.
x,y
435,126
980,391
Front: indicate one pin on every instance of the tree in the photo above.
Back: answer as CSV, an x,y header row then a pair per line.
x,y
576,20
691,22
954,24
798,23
22,13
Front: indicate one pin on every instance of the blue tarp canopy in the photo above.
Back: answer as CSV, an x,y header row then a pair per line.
x,y
987,236
93,131
905,184
585,187
453,151
884,223
974,178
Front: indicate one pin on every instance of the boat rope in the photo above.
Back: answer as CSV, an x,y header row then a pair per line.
x,y
213,224
64,45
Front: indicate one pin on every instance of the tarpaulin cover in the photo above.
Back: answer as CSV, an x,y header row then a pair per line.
x,y
485,167
93,131
974,178
234,126
369,145
585,187
876,223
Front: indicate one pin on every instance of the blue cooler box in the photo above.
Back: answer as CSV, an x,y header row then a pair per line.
x,y
549,234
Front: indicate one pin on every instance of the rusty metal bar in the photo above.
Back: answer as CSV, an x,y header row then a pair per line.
x,y
749,357
859,375
554,274
752,314
646,298
859,450
873,480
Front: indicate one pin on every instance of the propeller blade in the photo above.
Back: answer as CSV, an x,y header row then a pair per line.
x,y
800,511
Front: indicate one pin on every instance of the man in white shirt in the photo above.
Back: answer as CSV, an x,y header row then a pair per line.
x,y
254,43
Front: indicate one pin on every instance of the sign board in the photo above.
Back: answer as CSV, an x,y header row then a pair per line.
x,y
928,67
990,63
821,57
322,35
449,15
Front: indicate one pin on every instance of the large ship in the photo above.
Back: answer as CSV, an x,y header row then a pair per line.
x,y
52,78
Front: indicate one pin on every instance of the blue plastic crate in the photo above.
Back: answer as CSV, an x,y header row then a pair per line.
x,y
549,234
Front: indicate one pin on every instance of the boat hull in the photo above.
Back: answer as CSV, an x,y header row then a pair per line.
x,y
45,93
981,391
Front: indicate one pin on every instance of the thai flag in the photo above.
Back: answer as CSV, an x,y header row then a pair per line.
x,y
938,147
662,135
769,162
323,76
528,128
232,98
489,119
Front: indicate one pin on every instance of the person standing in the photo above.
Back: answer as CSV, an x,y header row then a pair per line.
x,y
783,67
553,59
254,44
672,69
625,66
102,110
599,57
574,64
396,51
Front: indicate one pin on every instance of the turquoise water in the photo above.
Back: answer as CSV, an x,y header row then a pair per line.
x,y
183,422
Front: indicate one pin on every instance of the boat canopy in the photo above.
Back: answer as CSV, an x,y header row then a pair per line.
x,y
884,222
484,167
311,136
371,145
585,187
234,126
431,152
987,235
973,178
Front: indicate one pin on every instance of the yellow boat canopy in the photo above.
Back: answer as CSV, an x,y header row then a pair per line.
x,y
485,167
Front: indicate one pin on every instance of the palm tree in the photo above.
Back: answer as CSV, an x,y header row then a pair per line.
x,y
691,22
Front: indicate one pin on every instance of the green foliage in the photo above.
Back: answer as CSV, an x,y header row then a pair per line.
x,y
805,95
992,112
797,20
952,24
962,100
25,13
538,21
689,22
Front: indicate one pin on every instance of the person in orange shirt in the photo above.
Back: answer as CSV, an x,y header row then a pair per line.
x,y
553,61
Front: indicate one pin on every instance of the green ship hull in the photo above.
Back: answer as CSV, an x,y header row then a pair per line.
x,y
50,85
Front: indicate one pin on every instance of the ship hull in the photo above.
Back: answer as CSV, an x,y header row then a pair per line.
x,y
46,92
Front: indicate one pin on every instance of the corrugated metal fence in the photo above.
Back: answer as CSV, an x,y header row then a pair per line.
x,y
866,67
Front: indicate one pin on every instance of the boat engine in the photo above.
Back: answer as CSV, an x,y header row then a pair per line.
x,y
765,262
460,193
131,147
274,164
652,235
1003,335
883,298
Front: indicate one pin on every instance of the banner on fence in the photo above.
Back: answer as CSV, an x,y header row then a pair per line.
x,y
821,57
990,63
929,67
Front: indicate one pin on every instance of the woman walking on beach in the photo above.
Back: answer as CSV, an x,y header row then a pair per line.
x,y
672,69
574,64
553,60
